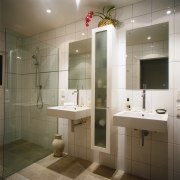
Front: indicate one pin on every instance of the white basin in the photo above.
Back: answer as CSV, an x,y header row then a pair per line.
x,y
141,120
69,112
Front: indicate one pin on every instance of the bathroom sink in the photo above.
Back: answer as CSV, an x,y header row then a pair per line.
x,y
69,112
141,120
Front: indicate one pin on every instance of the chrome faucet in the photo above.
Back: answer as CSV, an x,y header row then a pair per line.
x,y
77,97
144,99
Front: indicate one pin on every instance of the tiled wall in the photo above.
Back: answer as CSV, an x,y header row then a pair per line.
x,y
159,158
13,88
1,92
36,126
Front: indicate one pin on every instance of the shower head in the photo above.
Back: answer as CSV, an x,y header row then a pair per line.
x,y
35,61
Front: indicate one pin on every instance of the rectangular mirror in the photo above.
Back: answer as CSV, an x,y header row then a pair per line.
x,y
79,74
147,57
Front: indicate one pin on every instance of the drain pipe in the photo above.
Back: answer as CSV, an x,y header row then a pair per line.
x,y
143,134
80,123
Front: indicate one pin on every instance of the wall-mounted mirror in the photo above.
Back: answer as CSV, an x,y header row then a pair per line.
x,y
147,57
80,65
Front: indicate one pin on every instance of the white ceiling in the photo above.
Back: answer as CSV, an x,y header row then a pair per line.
x,y
29,16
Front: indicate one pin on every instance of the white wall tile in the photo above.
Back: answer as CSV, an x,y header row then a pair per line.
x,y
162,17
80,26
177,158
159,154
60,31
123,164
162,4
142,21
141,153
163,99
171,47
118,77
176,75
176,47
170,156
176,130
176,176
176,19
71,28
124,13
177,2
159,173
141,8
107,160
124,147
141,169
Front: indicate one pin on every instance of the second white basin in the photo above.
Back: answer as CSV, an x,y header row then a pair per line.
x,y
141,120
69,112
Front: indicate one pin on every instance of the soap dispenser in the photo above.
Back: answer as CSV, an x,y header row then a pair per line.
x,y
128,106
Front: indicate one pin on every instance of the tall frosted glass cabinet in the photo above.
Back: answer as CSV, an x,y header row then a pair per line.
x,y
103,39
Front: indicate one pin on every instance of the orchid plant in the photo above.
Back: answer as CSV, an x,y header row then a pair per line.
x,y
106,14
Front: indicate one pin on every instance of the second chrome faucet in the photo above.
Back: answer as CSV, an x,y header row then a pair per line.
x,y
77,97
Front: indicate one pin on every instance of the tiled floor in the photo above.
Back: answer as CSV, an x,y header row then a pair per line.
x,y
68,168
23,154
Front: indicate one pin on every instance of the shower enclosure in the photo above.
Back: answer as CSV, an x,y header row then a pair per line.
x,y
31,85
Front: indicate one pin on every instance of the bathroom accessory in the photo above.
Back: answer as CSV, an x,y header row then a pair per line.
x,y
77,97
144,98
161,111
39,101
128,106
178,111
58,145
81,122
141,120
143,134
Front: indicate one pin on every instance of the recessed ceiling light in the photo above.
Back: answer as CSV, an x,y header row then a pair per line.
x,y
48,11
83,34
149,37
77,3
132,20
168,12
18,57
77,50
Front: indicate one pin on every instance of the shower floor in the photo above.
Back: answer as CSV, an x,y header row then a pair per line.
x,y
20,154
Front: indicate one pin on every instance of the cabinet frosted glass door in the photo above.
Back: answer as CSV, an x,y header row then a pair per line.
x,y
100,88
